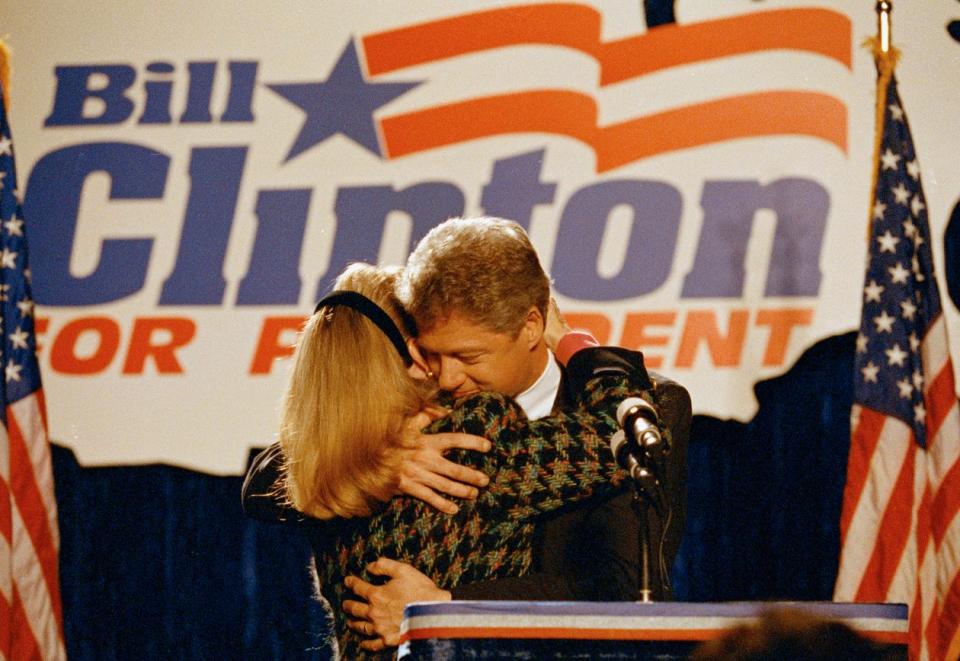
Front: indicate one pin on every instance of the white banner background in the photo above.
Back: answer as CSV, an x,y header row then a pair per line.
x,y
209,408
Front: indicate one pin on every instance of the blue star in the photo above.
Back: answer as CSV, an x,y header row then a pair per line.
x,y
343,103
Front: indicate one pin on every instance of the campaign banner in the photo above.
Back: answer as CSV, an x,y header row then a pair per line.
x,y
695,176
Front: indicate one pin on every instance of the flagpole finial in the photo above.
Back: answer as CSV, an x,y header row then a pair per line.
x,y
5,71
884,8
885,54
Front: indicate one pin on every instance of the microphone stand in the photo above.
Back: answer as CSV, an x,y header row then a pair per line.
x,y
640,507
642,458
644,481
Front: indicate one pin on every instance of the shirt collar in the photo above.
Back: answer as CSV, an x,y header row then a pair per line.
x,y
537,400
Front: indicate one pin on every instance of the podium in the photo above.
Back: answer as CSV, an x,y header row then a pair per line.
x,y
608,630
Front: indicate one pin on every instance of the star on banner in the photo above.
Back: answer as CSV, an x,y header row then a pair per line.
x,y
916,205
12,371
873,291
901,194
343,103
889,160
14,226
898,274
25,306
878,210
8,259
884,322
18,340
888,242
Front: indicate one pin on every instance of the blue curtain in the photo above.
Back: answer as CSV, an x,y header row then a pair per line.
x,y
764,498
159,562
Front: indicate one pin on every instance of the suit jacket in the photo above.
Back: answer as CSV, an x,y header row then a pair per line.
x,y
590,550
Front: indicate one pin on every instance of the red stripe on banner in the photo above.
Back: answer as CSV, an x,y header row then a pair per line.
x,y
24,643
6,512
939,398
574,26
953,649
745,116
946,503
574,115
915,626
893,533
931,633
561,632
29,502
6,618
924,523
819,31
924,590
862,446
559,112
441,632
949,617
950,621
888,637
42,407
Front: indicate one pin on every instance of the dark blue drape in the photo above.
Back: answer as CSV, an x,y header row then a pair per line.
x,y
159,562
764,497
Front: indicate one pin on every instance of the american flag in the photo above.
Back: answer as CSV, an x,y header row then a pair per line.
x,y
899,527
31,618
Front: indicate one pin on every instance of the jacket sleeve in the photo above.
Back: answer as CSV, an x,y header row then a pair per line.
x,y
564,458
539,466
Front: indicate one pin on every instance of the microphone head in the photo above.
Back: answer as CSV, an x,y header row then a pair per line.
x,y
633,405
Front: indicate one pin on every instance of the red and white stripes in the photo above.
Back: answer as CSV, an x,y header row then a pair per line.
x,y
30,608
900,529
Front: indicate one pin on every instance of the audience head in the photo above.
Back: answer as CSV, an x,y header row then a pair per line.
x,y
792,634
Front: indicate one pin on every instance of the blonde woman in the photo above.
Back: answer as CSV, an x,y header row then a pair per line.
x,y
350,397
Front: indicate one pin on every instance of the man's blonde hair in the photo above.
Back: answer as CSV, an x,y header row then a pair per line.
x,y
344,408
484,269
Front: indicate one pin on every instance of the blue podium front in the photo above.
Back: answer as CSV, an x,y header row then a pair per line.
x,y
607,630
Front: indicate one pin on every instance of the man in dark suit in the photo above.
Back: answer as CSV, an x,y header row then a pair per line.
x,y
479,296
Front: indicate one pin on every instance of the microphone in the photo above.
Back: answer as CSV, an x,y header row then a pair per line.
x,y
626,455
630,458
638,420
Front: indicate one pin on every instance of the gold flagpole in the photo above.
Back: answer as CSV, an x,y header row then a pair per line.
x,y
5,73
884,7
885,57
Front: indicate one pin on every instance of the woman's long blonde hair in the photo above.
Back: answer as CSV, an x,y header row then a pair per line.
x,y
348,396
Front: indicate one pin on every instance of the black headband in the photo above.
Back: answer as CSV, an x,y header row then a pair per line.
x,y
371,311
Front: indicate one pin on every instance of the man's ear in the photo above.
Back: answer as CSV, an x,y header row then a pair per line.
x,y
533,327
419,370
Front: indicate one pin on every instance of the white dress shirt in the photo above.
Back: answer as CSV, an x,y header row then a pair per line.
x,y
537,400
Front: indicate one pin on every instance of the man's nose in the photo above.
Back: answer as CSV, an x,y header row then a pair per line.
x,y
451,375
